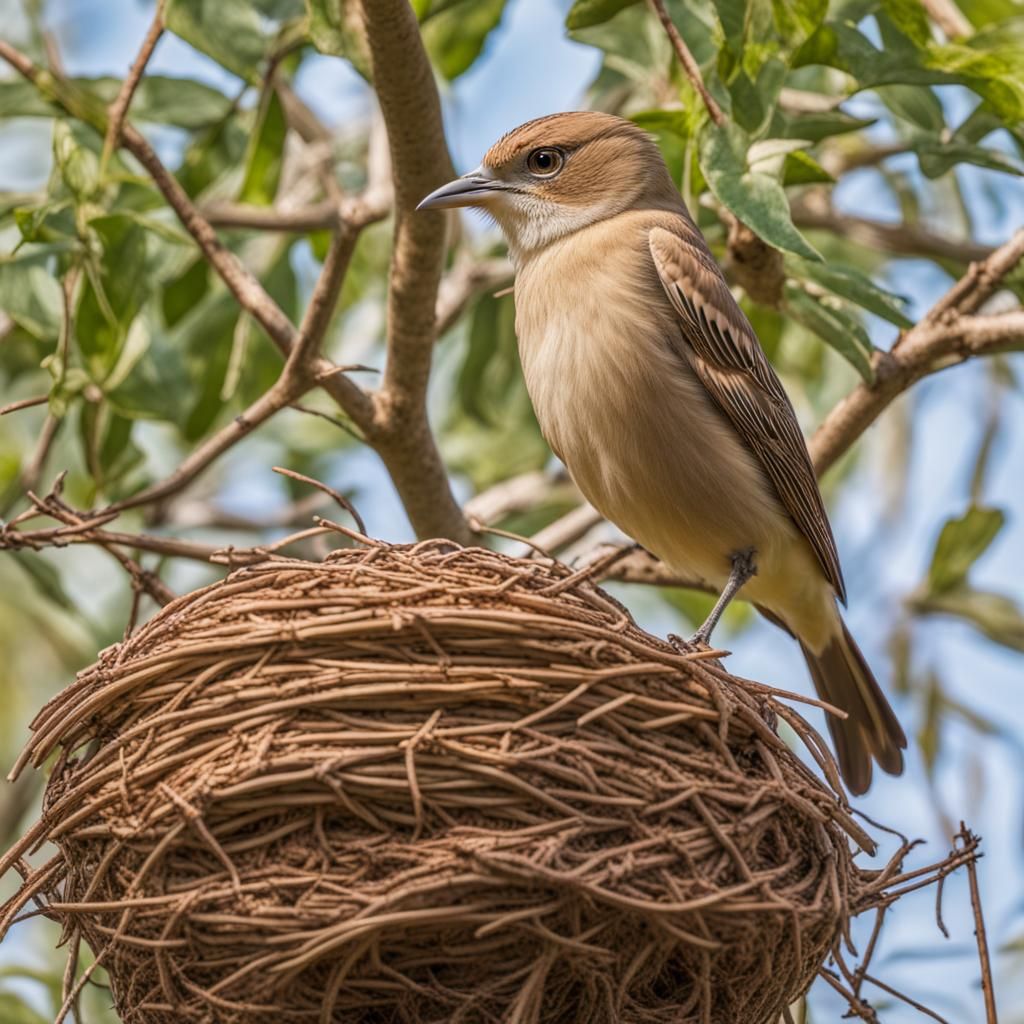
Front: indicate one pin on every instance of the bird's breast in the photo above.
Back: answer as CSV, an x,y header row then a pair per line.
x,y
637,431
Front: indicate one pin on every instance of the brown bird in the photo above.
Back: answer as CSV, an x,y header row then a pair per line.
x,y
650,385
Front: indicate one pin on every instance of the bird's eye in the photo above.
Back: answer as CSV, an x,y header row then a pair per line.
x,y
545,162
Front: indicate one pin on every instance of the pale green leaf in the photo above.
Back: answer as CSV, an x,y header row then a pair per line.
x,y
758,200
854,285
585,13
455,37
229,31
834,324
265,155
961,543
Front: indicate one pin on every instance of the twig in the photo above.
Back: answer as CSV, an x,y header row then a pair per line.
x,y
988,989
330,491
687,61
814,212
317,217
119,108
463,284
24,403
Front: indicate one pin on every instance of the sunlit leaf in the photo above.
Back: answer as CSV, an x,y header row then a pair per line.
x,y
455,37
797,19
995,615
333,29
834,324
134,261
585,13
29,295
910,18
229,31
852,284
961,543
800,168
265,155
757,199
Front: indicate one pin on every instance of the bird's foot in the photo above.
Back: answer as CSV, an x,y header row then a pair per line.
x,y
686,646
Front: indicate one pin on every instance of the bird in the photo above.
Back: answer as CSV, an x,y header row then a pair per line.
x,y
650,385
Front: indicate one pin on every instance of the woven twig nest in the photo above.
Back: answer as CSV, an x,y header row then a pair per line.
x,y
432,784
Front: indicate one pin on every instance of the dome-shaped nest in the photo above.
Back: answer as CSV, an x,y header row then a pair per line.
x,y
430,783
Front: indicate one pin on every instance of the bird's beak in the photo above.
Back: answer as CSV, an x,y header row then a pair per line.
x,y
470,190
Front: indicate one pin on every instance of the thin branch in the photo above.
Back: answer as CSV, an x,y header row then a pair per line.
x,y
687,61
33,469
411,109
987,987
24,403
338,497
898,239
320,216
945,336
517,494
118,110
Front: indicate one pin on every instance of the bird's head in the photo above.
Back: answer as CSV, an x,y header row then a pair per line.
x,y
551,177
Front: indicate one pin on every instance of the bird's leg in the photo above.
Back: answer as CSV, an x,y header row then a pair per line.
x,y
743,567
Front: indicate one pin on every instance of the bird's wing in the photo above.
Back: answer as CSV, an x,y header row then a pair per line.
x,y
716,339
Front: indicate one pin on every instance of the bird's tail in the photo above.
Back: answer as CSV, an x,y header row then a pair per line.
x,y
842,677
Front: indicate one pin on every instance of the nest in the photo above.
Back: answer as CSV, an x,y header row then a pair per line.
x,y
430,783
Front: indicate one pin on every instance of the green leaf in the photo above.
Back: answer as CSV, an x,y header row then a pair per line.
x,y
585,13
30,295
936,157
961,543
995,615
182,102
185,292
77,165
455,37
110,454
910,18
816,126
835,325
134,262
753,102
52,221
14,1011
334,29
229,31
757,199
852,284
797,19
800,168
265,156
917,104
732,14
20,98
677,122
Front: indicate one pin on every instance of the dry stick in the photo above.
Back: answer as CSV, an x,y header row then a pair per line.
x,y
24,403
330,491
987,986
687,61
118,110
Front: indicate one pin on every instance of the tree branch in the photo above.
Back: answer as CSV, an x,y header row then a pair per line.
x,y
400,430
687,61
898,239
947,335
316,217
118,110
